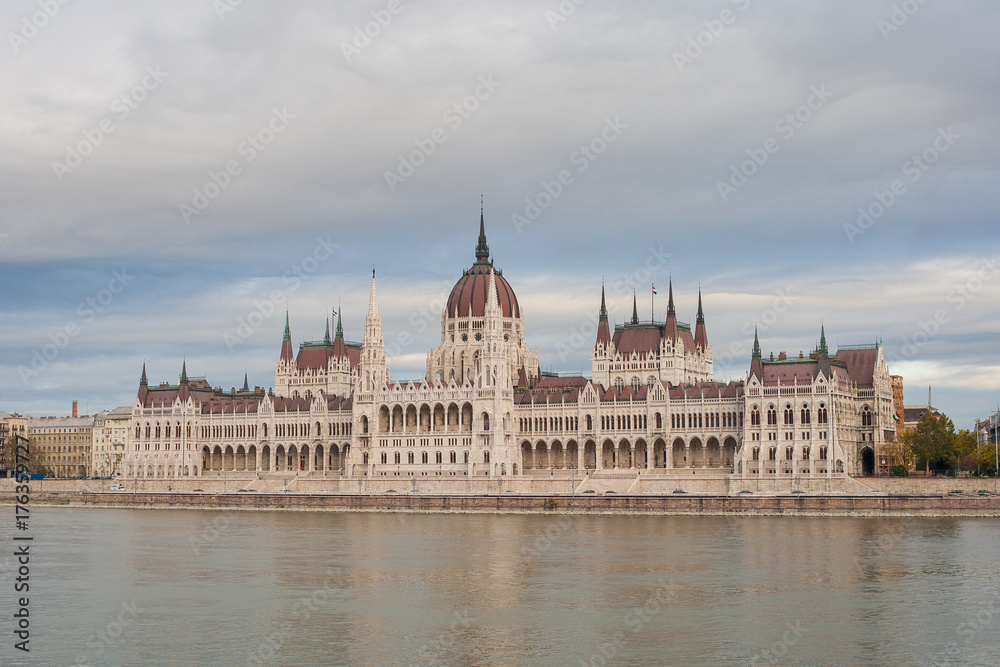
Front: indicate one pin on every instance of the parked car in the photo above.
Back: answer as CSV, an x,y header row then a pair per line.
x,y
679,491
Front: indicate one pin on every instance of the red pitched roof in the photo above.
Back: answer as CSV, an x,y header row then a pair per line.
x,y
860,364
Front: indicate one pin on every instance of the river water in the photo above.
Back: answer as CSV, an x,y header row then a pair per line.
x,y
189,587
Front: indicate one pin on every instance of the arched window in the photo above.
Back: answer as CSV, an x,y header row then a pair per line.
x,y
651,380
772,416
805,453
788,453
409,457
659,420
756,453
466,457
804,414
822,453
772,453
486,457
396,458
866,416
453,457
636,383
423,457
385,457
789,415
821,414
755,416
437,457
619,384
590,423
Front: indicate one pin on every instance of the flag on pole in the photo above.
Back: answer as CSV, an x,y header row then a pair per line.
x,y
654,289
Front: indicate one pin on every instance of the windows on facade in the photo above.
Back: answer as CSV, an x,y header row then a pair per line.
x,y
804,414
866,416
772,453
789,415
821,414
772,416
788,453
755,416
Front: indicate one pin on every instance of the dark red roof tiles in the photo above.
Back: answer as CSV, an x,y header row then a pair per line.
x,y
470,291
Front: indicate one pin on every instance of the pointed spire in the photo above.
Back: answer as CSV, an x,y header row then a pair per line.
x,y
700,334
823,350
756,364
603,332
340,327
326,337
635,310
143,382
246,382
184,373
670,328
482,250
286,342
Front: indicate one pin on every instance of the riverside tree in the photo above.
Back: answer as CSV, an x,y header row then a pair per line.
x,y
933,441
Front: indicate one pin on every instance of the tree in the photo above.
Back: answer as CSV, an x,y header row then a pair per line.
x,y
933,441
965,449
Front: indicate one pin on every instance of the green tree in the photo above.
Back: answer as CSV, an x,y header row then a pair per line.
x,y
933,441
965,449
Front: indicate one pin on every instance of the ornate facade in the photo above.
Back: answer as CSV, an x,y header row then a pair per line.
x,y
484,409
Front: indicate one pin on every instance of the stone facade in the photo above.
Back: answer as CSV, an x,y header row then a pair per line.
x,y
484,409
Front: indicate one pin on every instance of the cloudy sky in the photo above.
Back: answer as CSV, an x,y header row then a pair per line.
x,y
174,175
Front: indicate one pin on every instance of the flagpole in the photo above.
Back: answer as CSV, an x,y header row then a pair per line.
x,y
652,309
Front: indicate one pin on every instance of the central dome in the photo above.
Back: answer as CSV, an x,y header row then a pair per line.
x,y
470,290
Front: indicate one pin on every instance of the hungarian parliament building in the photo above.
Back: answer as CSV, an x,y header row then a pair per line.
x,y
484,409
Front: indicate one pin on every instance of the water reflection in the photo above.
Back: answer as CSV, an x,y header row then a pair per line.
x,y
303,588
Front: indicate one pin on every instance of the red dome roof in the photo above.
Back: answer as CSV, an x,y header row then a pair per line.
x,y
470,290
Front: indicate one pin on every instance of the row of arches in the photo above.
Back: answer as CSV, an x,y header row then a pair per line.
x,y
426,418
293,458
788,415
628,454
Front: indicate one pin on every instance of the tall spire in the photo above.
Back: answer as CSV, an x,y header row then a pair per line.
x,y
184,373
340,328
326,337
756,363
286,343
374,364
635,310
482,250
143,382
670,329
823,350
246,382
603,332
700,334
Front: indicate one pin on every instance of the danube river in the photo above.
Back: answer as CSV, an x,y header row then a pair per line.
x,y
189,587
